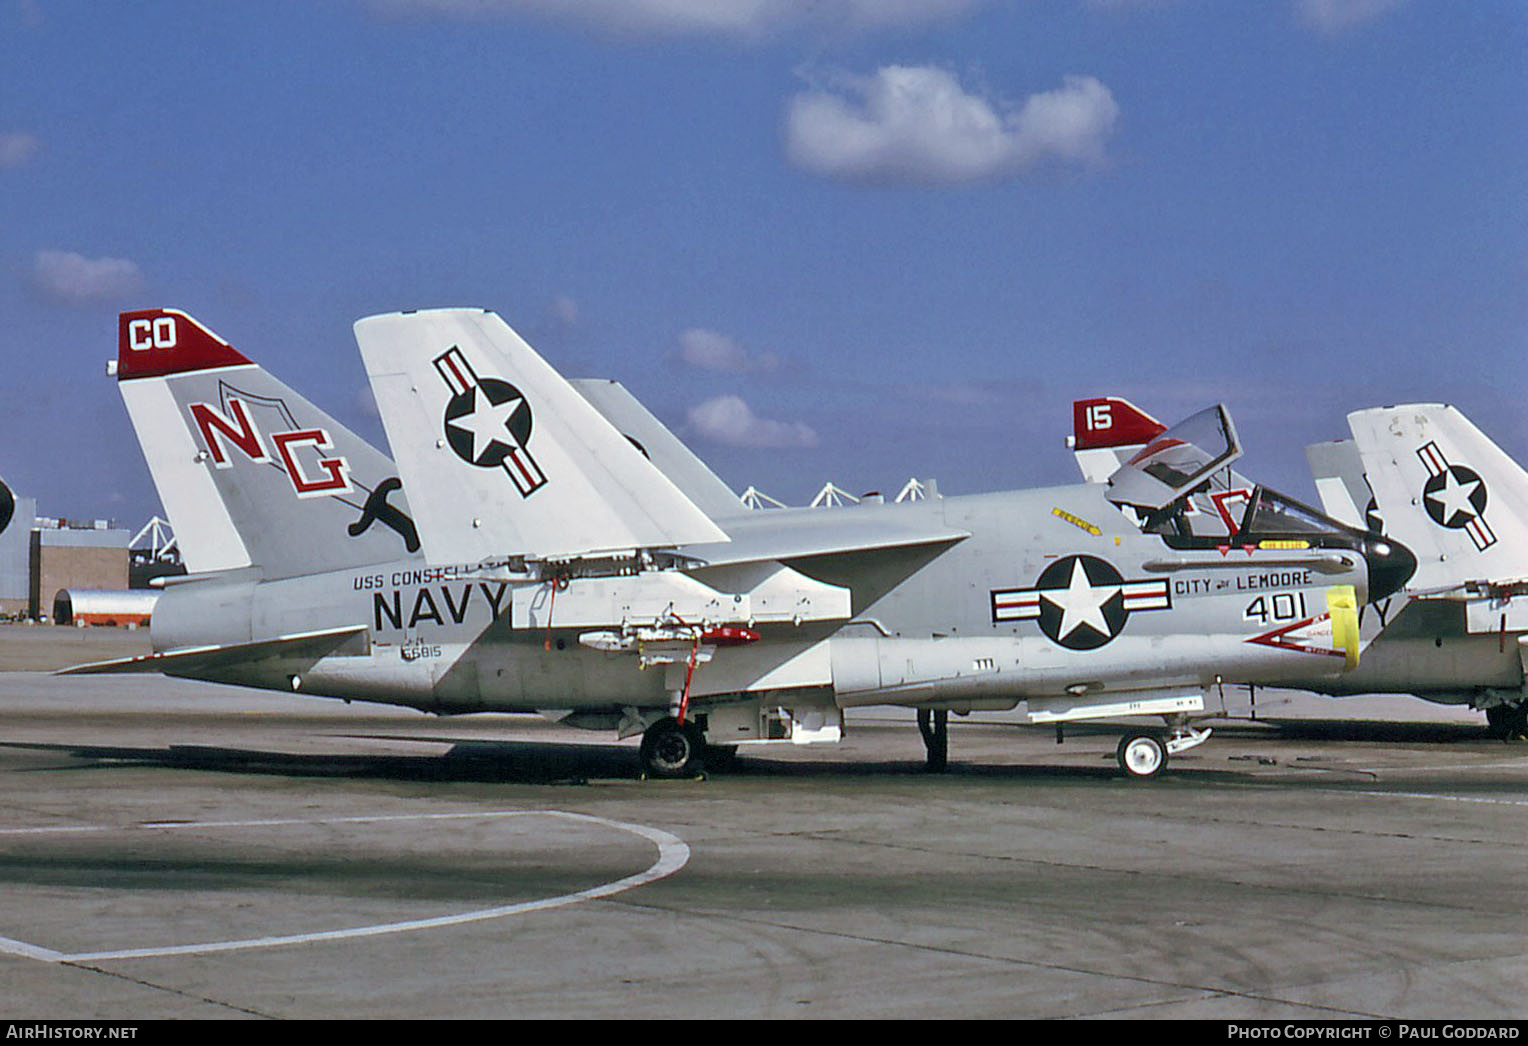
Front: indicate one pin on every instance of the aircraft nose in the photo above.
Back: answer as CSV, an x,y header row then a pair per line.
x,y
1391,565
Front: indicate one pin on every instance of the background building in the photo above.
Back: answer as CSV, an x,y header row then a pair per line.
x,y
75,557
87,568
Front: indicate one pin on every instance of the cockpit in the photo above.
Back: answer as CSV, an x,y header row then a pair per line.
x,y
1180,486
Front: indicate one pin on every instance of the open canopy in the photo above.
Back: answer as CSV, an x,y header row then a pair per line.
x,y
1177,461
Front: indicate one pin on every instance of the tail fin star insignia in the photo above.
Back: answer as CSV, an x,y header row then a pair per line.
x,y
457,390
1455,497
1446,490
488,422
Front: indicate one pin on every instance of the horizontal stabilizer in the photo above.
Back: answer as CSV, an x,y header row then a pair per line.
x,y
201,660
501,456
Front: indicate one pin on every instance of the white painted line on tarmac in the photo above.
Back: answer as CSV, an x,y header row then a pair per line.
x,y
1431,796
1482,800
673,854
29,951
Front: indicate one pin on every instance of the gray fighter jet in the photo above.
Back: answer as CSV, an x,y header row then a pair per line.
x,y
525,555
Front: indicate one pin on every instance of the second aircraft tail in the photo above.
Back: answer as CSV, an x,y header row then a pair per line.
x,y
250,473
502,456
1446,490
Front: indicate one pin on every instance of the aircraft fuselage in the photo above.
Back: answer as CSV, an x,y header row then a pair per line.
x,y
1054,595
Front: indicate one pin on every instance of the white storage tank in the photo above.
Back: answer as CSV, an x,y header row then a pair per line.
x,y
127,608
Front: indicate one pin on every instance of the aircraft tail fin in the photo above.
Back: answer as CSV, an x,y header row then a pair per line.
x,y
1342,486
1106,432
660,446
502,456
249,472
1447,491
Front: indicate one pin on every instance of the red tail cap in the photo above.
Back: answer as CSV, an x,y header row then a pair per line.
x,y
156,342
1109,421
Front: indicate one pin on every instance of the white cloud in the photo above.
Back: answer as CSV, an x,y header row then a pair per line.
x,y
72,279
916,125
728,420
563,311
17,149
1334,16
744,19
712,351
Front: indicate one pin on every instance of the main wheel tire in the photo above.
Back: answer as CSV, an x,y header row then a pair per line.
x,y
673,749
1141,756
1508,722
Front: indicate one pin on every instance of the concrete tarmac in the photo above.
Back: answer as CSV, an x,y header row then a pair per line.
x,y
178,850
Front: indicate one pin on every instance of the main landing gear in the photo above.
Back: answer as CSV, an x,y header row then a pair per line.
x,y
673,749
934,725
1508,722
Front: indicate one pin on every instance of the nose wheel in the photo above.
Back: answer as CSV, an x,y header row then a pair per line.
x,y
1141,756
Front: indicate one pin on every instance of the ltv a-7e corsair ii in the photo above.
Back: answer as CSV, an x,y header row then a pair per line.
x,y
528,554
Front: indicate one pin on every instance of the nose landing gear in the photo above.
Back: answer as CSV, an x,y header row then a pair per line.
x,y
1142,754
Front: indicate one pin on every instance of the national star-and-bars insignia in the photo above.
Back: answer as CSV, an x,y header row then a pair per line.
x,y
1080,602
488,422
1455,497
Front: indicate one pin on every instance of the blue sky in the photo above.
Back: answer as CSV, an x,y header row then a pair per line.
x,y
855,240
